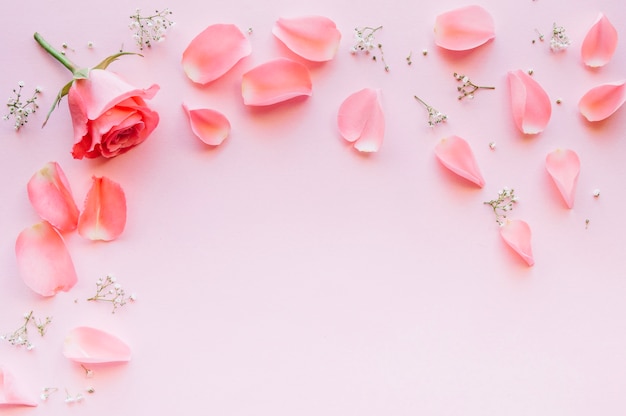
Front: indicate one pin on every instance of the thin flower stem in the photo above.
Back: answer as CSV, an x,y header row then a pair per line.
x,y
55,53
421,101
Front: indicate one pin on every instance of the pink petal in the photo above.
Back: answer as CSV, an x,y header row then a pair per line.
x,y
600,43
50,194
315,38
43,261
602,101
211,126
464,28
104,216
361,120
11,392
564,166
456,154
214,52
516,233
530,104
90,345
275,81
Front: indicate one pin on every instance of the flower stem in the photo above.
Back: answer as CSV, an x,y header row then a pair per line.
x,y
55,53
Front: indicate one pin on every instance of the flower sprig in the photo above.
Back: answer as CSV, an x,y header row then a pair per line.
x,y
467,87
503,204
109,290
20,110
19,337
434,116
559,40
150,28
366,42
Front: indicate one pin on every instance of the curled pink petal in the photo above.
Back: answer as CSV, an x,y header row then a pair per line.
x,y
11,392
214,52
564,166
600,43
50,194
456,154
315,38
516,233
464,28
210,126
90,345
361,120
602,101
104,216
43,261
530,104
275,81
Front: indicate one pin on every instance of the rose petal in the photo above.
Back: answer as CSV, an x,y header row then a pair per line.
x,y
361,120
50,194
90,345
456,154
530,104
275,81
11,392
564,166
464,28
516,233
602,101
600,43
211,126
214,51
104,216
43,261
315,38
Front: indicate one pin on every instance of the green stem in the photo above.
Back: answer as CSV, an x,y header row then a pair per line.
x,y
56,54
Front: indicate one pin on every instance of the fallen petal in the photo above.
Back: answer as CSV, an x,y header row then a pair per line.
x,y
516,233
361,120
104,216
464,28
43,261
530,104
315,38
564,166
456,154
11,392
600,43
214,52
50,194
90,346
275,81
210,126
602,101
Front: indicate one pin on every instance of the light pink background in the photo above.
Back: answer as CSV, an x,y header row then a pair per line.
x,y
283,273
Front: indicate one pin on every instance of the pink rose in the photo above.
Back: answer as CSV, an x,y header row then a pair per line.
x,y
110,116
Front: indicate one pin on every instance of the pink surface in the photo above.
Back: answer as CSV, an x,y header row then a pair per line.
x,y
285,273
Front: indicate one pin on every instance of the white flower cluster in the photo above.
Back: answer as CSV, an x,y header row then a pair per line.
x,y
559,40
148,29
434,116
365,41
19,337
467,87
503,204
21,110
109,290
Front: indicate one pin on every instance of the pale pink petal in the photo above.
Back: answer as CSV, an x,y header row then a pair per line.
x,y
275,81
104,215
315,38
600,43
361,120
602,101
210,126
90,345
456,154
564,166
530,104
464,28
43,261
214,52
11,391
50,194
516,233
